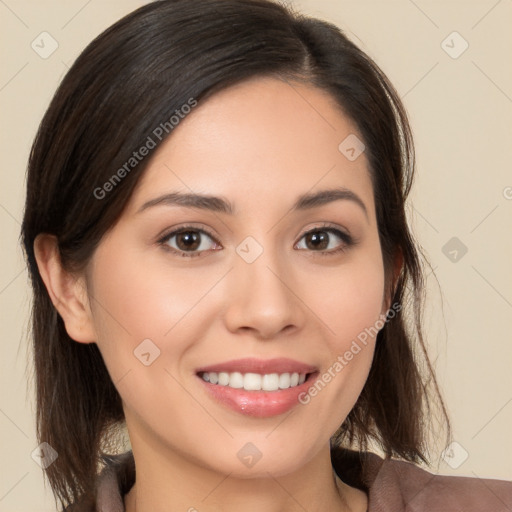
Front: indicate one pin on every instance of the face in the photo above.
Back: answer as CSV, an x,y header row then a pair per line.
x,y
245,296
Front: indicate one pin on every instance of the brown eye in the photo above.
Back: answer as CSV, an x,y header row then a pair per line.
x,y
319,239
188,241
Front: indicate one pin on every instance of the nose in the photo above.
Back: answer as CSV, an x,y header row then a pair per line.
x,y
262,299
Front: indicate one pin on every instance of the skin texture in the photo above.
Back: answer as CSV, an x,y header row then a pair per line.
x,y
260,145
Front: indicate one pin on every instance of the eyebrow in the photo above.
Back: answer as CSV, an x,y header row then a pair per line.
x,y
219,204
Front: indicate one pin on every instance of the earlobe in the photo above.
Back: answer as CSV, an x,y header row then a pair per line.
x,y
67,292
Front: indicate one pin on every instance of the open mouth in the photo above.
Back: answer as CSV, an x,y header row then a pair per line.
x,y
255,381
260,388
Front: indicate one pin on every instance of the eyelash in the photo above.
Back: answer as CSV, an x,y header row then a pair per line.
x,y
348,241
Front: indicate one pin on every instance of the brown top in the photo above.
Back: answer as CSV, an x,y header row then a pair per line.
x,y
391,486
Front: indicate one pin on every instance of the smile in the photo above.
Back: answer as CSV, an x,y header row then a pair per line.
x,y
256,387
255,381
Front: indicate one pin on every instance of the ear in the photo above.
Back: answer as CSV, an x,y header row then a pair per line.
x,y
398,262
67,292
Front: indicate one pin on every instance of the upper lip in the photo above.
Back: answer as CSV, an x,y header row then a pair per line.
x,y
261,366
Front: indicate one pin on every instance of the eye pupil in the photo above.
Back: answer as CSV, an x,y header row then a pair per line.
x,y
319,239
191,239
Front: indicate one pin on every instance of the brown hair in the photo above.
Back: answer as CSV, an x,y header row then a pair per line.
x,y
126,82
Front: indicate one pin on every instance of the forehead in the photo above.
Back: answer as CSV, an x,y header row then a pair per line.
x,y
261,140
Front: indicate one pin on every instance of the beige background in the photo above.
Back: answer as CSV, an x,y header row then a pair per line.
x,y
460,110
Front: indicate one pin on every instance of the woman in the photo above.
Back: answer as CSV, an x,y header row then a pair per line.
x,y
215,230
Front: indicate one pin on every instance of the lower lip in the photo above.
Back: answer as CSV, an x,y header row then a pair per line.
x,y
258,404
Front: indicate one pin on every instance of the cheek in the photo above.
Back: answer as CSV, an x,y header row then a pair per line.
x,y
140,313
126,312
134,301
349,298
148,318
349,302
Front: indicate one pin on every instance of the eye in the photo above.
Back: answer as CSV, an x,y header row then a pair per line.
x,y
320,238
189,241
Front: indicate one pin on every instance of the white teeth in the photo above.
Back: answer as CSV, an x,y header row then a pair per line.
x,y
236,380
284,381
223,378
255,381
252,381
270,382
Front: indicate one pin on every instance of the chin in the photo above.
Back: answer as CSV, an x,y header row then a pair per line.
x,y
259,457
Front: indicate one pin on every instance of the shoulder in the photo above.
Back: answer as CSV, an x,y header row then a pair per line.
x,y
421,490
396,485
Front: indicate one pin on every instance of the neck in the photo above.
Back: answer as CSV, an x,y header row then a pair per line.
x,y
168,481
